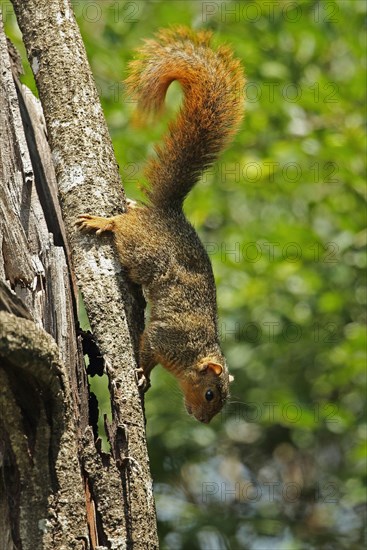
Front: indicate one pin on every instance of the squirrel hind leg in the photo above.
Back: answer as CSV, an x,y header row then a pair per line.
x,y
99,224
86,222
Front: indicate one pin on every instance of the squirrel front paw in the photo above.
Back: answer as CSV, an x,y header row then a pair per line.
x,y
142,380
86,222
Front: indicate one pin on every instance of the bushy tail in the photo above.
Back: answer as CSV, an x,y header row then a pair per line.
x,y
212,82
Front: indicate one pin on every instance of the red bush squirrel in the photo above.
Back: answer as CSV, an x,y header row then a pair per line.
x,y
154,241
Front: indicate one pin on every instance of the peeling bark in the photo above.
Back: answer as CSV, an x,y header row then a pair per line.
x,y
41,482
57,488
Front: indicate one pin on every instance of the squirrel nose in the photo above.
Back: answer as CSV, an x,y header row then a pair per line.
x,y
204,418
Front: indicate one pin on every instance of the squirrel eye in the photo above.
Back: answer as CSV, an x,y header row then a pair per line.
x,y
209,395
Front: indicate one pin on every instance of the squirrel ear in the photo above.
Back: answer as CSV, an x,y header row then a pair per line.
x,y
231,378
215,368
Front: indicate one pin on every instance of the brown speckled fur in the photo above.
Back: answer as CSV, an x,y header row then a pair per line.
x,y
155,242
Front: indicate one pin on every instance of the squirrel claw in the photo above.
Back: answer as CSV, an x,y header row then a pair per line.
x,y
142,381
130,203
86,222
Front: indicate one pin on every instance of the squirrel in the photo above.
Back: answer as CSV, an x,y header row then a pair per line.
x,y
155,242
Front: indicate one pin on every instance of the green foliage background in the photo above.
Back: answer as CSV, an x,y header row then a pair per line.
x,y
283,217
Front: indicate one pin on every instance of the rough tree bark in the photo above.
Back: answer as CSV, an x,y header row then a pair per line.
x,y
58,490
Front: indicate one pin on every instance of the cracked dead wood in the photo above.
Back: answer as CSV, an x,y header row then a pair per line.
x,y
59,490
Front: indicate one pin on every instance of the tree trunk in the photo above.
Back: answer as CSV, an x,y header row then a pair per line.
x,y
58,490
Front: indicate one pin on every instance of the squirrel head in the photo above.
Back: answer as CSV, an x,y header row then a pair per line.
x,y
206,387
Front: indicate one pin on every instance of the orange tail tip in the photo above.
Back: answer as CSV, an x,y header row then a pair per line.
x,y
212,109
